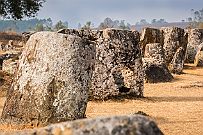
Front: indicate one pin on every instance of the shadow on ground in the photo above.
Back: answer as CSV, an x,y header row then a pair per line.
x,y
174,99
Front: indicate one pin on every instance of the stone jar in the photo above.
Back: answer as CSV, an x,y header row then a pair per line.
x,y
52,79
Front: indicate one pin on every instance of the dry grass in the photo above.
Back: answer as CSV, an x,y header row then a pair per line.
x,y
177,106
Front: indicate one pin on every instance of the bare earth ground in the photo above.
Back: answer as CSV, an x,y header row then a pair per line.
x,y
177,106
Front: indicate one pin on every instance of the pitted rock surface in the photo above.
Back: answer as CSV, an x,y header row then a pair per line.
x,y
155,69
195,38
90,35
118,66
177,63
154,51
52,80
150,35
116,125
199,56
175,40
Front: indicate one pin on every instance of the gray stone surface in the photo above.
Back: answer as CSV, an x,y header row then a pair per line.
x,y
116,125
154,51
177,63
195,38
155,69
171,39
52,80
190,54
150,35
199,56
118,66
175,41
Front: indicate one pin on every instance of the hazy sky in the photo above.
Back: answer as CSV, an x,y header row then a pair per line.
x,y
81,11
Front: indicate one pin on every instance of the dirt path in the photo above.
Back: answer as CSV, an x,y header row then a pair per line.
x,y
177,107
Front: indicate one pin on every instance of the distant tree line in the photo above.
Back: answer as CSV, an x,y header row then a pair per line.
x,y
197,18
47,25
12,11
109,23
31,25
153,21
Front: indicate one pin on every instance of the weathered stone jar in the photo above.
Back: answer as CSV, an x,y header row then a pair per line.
x,y
155,69
195,38
118,66
175,45
52,80
154,51
150,35
199,56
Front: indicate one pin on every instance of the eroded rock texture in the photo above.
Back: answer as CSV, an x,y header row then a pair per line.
x,y
155,69
118,67
199,56
9,60
177,63
150,35
195,38
175,45
117,125
154,51
52,80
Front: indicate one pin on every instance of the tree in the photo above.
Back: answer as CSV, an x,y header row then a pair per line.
x,y
143,22
123,26
197,19
79,26
59,25
39,27
161,21
17,9
87,25
109,23
49,22
189,19
153,21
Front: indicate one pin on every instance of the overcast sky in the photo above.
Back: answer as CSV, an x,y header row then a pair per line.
x,y
81,11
